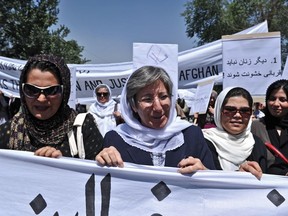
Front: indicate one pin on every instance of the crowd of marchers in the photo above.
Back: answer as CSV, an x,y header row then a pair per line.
x,y
148,125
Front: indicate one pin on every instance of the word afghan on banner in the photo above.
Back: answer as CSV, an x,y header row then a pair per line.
x,y
33,185
252,61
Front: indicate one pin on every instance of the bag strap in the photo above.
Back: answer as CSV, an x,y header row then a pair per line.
x,y
276,152
116,107
77,147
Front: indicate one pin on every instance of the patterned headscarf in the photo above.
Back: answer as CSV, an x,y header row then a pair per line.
x,y
26,129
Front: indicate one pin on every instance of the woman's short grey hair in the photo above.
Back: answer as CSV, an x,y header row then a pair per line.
x,y
143,77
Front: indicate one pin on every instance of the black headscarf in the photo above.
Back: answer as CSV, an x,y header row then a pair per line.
x,y
269,119
272,122
29,133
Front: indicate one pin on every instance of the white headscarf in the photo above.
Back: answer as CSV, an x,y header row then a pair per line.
x,y
101,109
156,141
232,149
103,113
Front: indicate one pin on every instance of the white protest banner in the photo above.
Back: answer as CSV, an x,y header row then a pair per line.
x,y
10,70
33,185
193,65
159,55
90,75
72,100
252,61
202,97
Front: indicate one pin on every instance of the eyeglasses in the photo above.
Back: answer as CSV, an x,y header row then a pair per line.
x,y
102,94
32,91
231,111
148,101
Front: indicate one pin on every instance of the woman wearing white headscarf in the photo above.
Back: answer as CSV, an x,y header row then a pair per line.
x,y
151,134
105,109
233,145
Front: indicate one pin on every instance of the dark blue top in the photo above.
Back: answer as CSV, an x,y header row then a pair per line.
x,y
194,145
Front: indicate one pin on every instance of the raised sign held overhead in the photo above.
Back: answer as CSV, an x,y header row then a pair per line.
x,y
252,61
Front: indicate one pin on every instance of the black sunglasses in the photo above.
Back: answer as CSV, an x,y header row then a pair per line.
x,y
102,94
32,91
231,111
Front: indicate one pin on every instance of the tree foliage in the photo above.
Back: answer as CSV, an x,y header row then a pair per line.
x,y
26,30
210,19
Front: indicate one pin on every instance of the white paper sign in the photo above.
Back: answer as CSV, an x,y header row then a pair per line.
x,y
202,97
160,55
252,61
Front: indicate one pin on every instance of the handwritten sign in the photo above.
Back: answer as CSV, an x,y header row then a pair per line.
x,y
202,97
252,61
159,55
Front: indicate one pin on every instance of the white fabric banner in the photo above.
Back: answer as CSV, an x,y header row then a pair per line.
x,y
194,65
33,185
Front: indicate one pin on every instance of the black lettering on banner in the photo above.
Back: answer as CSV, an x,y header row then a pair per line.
x,y
78,86
10,66
91,85
194,73
201,72
275,197
184,75
15,84
3,84
106,194
198,73
90,196
38,204
118,83
160,191
123,80
83,71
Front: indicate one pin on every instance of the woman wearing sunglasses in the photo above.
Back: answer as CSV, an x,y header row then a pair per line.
x,y
105,109
45,119
273,127
231,142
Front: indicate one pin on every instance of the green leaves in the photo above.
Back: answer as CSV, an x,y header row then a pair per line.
x,y
211,19
25,30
